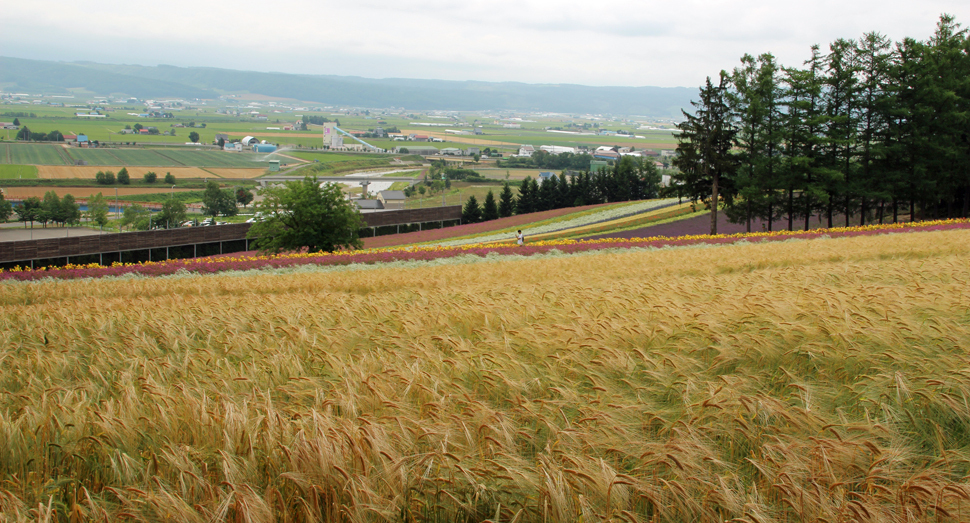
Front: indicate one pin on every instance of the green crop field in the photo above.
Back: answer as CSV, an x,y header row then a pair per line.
x,y
17,172
143,157
30,154
217,158
47,154
96,156
328,157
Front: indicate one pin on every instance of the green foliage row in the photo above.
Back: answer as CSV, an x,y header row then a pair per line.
x,y
627,180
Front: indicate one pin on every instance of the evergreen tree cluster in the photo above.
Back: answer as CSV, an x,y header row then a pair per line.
x,y
865,132
629,179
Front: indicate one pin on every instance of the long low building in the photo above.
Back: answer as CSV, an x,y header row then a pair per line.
x,y
416,149
557,149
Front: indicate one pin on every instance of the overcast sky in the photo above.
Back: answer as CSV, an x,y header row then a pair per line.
x,y
606,42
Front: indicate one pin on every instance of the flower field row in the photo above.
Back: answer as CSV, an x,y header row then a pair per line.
x,y
579,221
428,253
469,230
638,220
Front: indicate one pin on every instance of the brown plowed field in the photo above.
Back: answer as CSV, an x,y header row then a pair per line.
x,y
62,172
85,192
236,173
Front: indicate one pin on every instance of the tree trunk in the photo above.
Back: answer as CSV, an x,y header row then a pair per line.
x,y
882,206
771,213
895,210
714,205
808,210
791,208
829,210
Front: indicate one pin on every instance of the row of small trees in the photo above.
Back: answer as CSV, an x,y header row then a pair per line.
x,y
52,209
124,178
868,131
628,179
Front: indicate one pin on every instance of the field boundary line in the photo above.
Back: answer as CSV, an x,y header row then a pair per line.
x,y
177,163
63,153
120,162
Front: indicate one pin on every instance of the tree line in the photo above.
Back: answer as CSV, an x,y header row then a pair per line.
x,y
628,179
866,132
25,134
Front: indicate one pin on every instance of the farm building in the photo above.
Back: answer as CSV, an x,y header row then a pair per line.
x,y
526,150
249,140
8,125
417,149
453,151
70,138
391,199
369,205
274,166
472,151
606,155
264,148
82,140
232,147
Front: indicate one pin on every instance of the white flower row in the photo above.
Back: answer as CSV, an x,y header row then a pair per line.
x,y
580,221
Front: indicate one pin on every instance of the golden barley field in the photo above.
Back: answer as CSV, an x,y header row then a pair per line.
x,y
824,380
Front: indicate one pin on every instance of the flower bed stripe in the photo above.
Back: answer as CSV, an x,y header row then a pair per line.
x,y
427,253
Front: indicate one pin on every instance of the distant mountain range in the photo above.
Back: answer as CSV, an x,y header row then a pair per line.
x,y
163,81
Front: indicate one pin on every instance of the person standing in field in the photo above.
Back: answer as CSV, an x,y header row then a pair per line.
x,y
519,237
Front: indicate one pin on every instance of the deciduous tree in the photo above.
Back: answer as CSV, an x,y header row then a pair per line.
x,y
306,215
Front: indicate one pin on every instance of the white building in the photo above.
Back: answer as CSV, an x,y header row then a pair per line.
x,y
557,149
331,137
526,150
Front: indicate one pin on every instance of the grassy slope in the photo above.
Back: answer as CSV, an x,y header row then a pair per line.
x,y
783,382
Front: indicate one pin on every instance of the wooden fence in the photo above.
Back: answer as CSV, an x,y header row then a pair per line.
x,y
57,249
